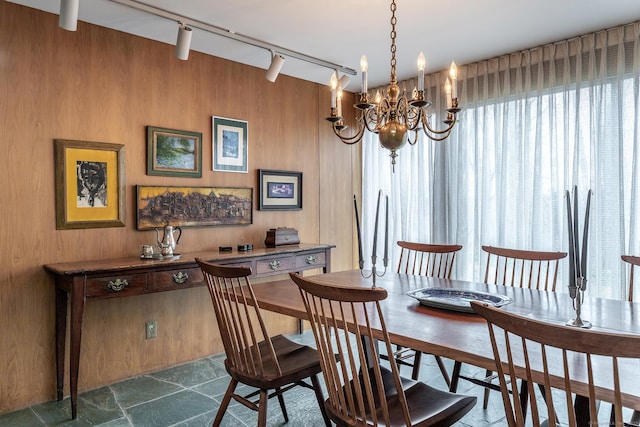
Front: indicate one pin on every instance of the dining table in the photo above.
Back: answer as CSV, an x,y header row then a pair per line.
x,y
461,335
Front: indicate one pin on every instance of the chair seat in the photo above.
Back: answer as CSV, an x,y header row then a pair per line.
x,y
427,405
297,362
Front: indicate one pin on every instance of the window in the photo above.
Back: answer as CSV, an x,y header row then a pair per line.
x,y
534,124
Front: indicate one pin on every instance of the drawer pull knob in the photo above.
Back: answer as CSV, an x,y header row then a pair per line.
x,y
180,277
311,259
118,285
274,265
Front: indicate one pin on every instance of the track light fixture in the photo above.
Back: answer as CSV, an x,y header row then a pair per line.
x,y
277,61
183,44
344,80
69,14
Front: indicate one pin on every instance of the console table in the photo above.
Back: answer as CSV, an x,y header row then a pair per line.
x,y
117,278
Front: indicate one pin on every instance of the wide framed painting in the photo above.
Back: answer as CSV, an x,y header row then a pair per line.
x,y
89,184
230,145
172,152
193,206
279,190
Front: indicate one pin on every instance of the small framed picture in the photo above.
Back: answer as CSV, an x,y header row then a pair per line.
x,y
230,145
89,184
279,190
172,152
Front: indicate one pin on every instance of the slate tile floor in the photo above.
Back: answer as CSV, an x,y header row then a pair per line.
x,y
189,396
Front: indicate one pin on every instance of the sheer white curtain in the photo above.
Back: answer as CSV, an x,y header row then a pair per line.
x,y
534,124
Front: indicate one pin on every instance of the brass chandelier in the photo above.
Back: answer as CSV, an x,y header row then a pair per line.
x,y
392,117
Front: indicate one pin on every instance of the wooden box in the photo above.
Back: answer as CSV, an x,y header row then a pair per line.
x,y
281,236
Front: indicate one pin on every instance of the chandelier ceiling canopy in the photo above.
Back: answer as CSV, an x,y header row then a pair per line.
x,y
393,116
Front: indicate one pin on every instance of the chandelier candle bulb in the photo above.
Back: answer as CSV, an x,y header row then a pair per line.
x,y
453,73
333,84
364,66
447,91
339,111
421,64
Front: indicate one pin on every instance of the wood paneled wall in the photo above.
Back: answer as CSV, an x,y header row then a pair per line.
x,y
102,85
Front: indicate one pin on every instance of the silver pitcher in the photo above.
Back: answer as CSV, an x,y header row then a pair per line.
x,y
168,242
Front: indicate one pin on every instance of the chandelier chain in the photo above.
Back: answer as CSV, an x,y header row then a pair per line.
x,y
393,41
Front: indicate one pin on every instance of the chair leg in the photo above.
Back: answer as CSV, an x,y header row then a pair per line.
x,y
262,408
225,402
417,358
485,402
443,370
282,406
318,391
455,376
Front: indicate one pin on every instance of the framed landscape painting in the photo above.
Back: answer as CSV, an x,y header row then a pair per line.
x,y
279,190
230,145
172,152
89,184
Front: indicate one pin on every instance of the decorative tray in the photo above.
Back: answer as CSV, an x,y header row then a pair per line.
x,y
457,299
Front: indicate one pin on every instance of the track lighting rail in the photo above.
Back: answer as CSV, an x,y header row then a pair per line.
x,y
194,23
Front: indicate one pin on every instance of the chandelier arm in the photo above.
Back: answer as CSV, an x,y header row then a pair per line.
x,y
414,118
350,140
381,114
436,138
370,120
446,131
415,137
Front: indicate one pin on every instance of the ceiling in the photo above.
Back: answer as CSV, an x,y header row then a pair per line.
x,y
342,31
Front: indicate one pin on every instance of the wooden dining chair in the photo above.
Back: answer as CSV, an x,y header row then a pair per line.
x,y
424,259
633,262
555,357
253,357
518,268
348,324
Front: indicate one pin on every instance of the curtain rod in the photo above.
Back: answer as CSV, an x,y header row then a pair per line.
x,y
162,13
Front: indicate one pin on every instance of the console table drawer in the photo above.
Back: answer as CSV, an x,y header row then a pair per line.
x,y
176,279
116,286
245,264
274,266
316,259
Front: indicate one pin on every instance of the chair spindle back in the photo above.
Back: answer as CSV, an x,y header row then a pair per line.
x,y
521,268
554,356
356,397
427,259
241,325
